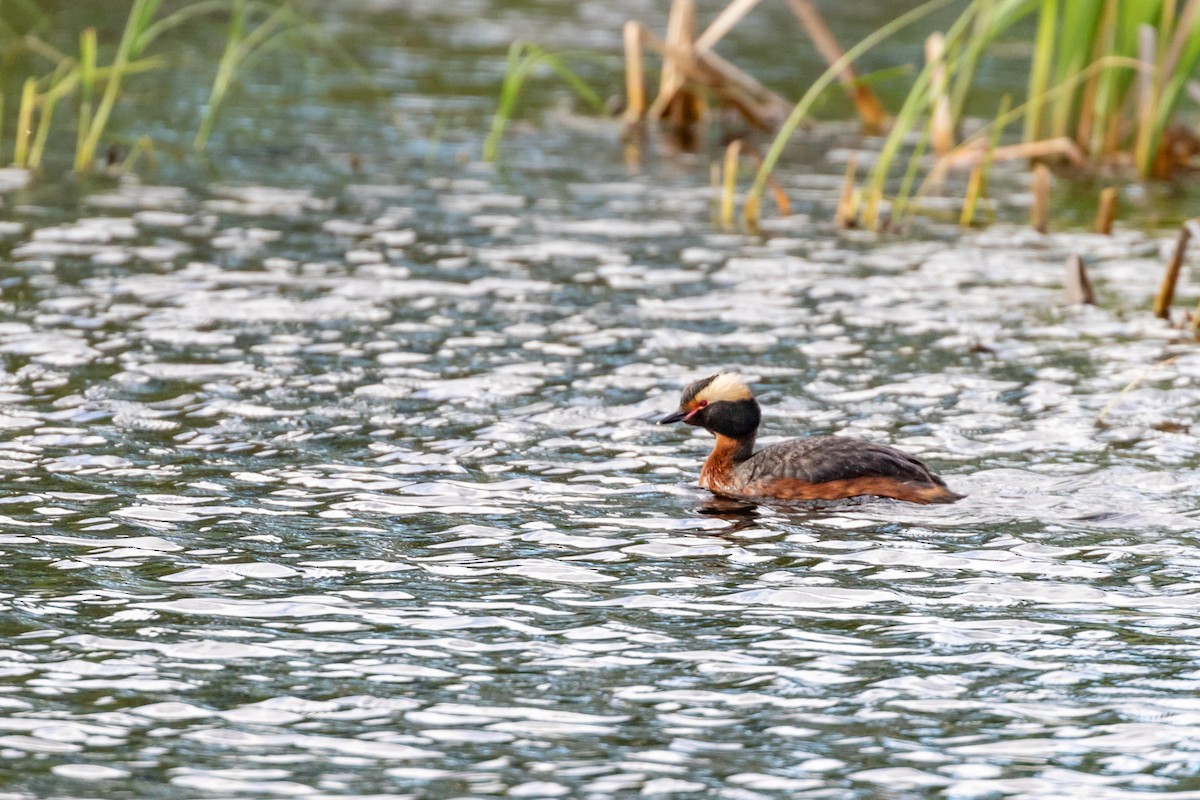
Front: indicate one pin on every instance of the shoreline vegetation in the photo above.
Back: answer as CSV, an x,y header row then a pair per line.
x,y
1111,87
54,76
1108,80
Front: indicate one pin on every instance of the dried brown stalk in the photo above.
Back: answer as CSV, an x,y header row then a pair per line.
x,y
971,201
847,211
1076,282
870,110
731,15
942,122
677,60
1040,214
1166,290
635,79
1107,210
760,105
729,184
1044,148
781,201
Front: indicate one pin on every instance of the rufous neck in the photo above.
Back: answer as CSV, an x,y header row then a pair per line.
x,y
737,449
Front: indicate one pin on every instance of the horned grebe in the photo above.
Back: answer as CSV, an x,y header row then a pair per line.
x,y
816,468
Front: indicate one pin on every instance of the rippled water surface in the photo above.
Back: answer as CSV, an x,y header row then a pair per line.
x,y
356,492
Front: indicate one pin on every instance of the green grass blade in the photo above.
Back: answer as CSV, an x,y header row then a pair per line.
x,y
176,18
585,92
915,104
991,20
112,87
87,88
523,58
800,111
1039,72
1172,89
1073,53
45,119
226,69
25,123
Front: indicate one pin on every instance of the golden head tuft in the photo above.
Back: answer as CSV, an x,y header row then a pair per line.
x,y
727,386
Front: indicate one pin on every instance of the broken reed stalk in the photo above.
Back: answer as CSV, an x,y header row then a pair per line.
x,y
1047,148
781,202
731,15
1166,290
676,63
870,110
1078,286
756,102
982,171
687,59
729,184
1107,210
942,121
672,78
1040,214
635,79
974,190
695,62
847,210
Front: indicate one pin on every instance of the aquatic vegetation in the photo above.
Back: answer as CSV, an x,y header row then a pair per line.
x,y
244,45
1095,66
1166,290
97,89
692,70
523,59
1107,79
804,106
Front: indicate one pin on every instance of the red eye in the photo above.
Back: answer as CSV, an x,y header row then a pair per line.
x,y
702,404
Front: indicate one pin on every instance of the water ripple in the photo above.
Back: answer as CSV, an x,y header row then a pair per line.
x,y
359,494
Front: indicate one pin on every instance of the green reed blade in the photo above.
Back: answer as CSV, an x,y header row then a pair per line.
x,y
1073,53
1039,72
87,87
63,81
906,120
1185,54
523,58
25,123
225,70
801,109
139,16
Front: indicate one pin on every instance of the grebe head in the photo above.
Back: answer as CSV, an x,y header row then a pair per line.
x,y
720,403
